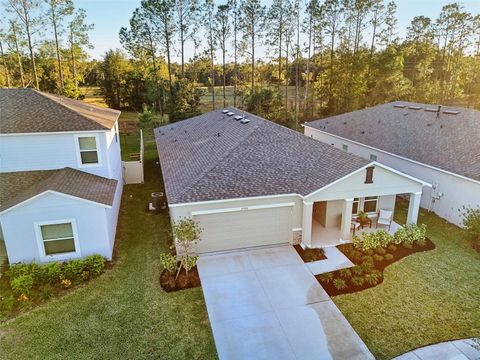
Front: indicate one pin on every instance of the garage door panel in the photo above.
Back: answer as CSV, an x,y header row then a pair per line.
x,y
245,228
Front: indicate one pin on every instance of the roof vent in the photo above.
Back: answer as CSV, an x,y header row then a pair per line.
x,y
451,112
245,121
399,106
238,117
415,107
230,113
224,111
430,109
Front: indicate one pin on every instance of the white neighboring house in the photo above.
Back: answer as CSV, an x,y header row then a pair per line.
x,y
251,182
60,177
439,145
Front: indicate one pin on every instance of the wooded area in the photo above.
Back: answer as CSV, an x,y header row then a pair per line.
x,y
322,58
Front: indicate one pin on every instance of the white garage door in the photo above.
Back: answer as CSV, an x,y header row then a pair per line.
x,y
245,228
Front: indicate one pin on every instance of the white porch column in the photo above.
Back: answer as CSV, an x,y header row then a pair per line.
x,y
413,207
307,224
346,219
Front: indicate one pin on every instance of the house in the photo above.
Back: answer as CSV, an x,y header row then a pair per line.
x,y
251,182
439,145
60,177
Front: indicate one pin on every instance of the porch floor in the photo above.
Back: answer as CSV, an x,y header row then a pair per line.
x,y
325,237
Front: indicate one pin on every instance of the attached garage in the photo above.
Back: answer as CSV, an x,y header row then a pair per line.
x,y
235,228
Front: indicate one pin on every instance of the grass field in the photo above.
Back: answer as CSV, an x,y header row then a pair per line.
x,y
123,314
425,298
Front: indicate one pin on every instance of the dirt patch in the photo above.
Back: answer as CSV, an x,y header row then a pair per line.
x,y
368,269
309,255
169,283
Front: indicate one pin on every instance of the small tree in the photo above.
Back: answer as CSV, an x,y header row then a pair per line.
x,y
145,119
186,232
471,220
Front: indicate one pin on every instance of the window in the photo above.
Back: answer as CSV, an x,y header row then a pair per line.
x,y
345,147
370,204
58,238
355,206
88,150
373,157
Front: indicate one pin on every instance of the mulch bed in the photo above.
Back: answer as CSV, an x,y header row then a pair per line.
x,y
379,263
309,255
169,283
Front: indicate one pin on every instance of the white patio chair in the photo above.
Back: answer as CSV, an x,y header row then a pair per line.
x,y
355,226
385,218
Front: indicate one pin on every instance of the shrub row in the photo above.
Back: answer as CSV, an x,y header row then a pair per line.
x,y
26,276
407,235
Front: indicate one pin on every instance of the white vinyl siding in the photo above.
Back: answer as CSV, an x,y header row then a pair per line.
x,y
245,228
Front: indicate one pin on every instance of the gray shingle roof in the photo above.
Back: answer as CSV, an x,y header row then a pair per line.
x,y
16,187
30,111
213,157
449,142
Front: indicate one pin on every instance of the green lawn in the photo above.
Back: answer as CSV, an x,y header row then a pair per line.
x,y
123,314
425,298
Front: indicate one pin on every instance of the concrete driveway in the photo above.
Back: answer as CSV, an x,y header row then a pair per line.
x,y
265,304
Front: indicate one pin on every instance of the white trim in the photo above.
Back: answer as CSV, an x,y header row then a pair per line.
x,y
62,256
208,202
55,193
394,155
97,149
227,210
56,132
297,229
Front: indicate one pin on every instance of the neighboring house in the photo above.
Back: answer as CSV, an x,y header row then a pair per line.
x,y
251,183
60,177
439,145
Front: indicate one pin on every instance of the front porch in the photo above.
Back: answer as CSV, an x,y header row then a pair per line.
x,y
332,222
324,237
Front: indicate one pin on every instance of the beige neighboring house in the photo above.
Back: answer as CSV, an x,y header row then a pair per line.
x,y
250,182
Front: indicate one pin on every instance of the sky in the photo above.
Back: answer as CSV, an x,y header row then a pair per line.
x,y
109,16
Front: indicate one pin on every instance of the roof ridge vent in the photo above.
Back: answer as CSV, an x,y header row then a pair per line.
x,y
399,106
415,107
224,111
245,121
230,113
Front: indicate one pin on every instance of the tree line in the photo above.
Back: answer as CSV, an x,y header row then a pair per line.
x,y
321,58
29,58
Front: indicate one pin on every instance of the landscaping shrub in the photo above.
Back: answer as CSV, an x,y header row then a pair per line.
x,y
471,220
7,303
169,262
72,270
94,264
388,257
20,269
392,247
372,240
326,277
345,273
373,278
50,273
46,292
22,284
409,234
378,257
357,270
358,280
339,284
367,265
380,250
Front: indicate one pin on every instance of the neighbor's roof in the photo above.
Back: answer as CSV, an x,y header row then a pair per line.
x,y
16,187
213,157
32,111
449,141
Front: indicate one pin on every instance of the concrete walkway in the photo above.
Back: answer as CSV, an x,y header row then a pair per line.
x,y
266,304
335,261
466,349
